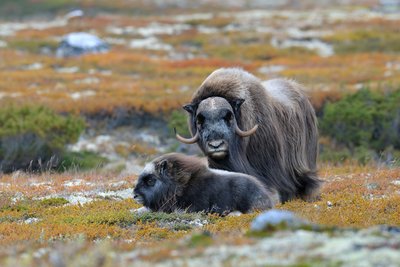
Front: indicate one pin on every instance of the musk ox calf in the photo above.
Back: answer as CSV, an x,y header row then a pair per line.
x,y
264,129
176,182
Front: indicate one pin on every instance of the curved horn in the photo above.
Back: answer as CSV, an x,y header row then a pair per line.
x,y
246,133
187,140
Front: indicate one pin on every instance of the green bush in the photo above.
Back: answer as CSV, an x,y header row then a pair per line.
x,y
85,160
364,121
178,121
21,8
368,40
334,154
34,137
33,46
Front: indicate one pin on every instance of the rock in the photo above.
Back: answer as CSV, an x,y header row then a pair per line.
x,y
395,182
150,43
79,43
31,220
74,14
140,211
276,219
372,186
234,213
271,69
3,44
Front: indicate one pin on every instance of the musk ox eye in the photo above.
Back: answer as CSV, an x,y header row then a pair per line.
x,y
228,116
200,119
150,181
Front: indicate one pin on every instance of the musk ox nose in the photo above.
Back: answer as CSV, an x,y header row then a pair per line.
x,y
217,149
215,144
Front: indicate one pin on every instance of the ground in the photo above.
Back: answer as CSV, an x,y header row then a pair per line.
x,y
160,52
47,218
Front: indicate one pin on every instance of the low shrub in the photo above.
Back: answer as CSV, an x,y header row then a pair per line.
x,y
34,137
178,120
363,122
84,160
366,40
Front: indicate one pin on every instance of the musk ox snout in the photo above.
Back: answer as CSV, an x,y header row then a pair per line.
x,y
138,198
216,144
217,148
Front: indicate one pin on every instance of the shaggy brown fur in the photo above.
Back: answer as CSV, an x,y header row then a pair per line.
x,y
283,151
178,182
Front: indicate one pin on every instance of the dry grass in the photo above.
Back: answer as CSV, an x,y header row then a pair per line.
x,y
151,80
353,196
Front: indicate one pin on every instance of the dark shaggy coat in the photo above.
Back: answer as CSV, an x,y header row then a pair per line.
x,y
177,182
283,151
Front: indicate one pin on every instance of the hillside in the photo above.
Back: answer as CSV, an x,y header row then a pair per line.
x,y
91,121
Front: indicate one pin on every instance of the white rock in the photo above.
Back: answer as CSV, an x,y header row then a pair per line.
x,y
276,217
74,14
395,182
82,40
72,69
75,182
31,220
150,43
82,94
141,210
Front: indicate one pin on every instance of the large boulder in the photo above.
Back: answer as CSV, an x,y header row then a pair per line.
x,y
79,43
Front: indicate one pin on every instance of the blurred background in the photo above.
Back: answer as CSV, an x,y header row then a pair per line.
x,y
96,84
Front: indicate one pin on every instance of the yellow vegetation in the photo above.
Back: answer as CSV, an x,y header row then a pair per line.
x,y
353,196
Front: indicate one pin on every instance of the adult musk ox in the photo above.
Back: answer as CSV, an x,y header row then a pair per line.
x,y
178,182
264,129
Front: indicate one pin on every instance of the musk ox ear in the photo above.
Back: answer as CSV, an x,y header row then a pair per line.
x,y
163,168
236,104
189,108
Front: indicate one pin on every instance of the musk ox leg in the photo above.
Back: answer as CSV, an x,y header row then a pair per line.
x,y
310,185
267,201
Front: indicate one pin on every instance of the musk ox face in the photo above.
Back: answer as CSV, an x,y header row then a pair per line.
x,y
215,121
154,187
215,126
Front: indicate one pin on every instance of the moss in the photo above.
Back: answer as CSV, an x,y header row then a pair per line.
x,y
24,7
202,239
243,52
103,212
80,161
20,206
9,218
181,227
53,202
218,22
148,217
33,46
365,40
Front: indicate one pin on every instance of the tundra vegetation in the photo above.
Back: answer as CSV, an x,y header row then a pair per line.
x,y
61,197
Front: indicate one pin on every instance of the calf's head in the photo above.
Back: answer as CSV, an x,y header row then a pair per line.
x,y
154,187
